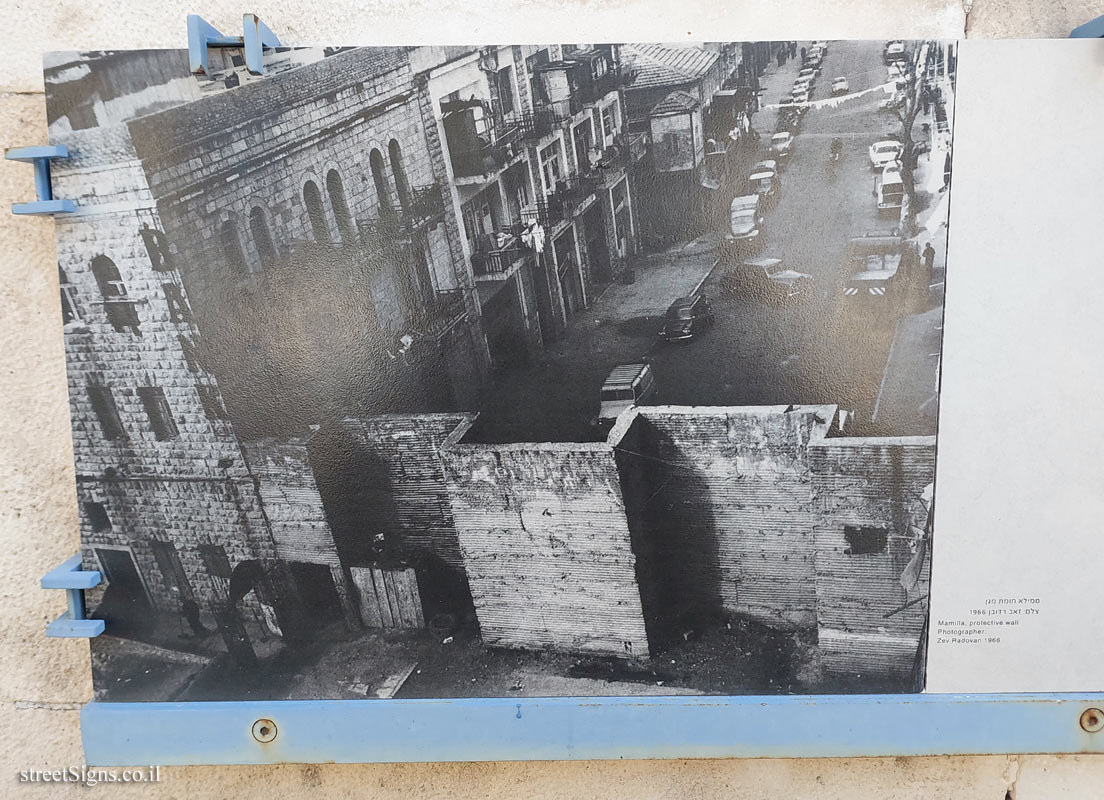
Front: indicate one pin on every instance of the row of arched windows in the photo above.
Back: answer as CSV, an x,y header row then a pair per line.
x,y
388,189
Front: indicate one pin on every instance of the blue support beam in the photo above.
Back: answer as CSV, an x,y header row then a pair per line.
x,y
40,156
1090,30
256,36
70,577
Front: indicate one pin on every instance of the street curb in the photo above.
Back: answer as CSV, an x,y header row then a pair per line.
x,y
705,277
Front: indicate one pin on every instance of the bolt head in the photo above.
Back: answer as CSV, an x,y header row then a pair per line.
x,y
264,730
1092,720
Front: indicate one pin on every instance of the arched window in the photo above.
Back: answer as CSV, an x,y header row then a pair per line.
x,y
120,309
232,252
316,213
383,190
262,237
402,186
336,190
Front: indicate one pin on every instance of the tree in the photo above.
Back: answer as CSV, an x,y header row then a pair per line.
x,y
906,109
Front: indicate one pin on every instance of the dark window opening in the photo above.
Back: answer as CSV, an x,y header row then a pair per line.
x,y
316,213
863,541
107,413
383,190
504,85
70,311
120,309
179,311
232,249
211,401
402,185
262,237
214,558
97,516
336,190
158,411
237,60
157,248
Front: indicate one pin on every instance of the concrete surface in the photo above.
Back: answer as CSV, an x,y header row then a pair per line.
x,y
46,681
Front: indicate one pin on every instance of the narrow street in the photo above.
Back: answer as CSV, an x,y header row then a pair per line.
x,y
757,353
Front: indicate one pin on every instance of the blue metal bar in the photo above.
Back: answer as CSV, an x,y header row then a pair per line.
x,y
355,731
40,157
1090,30
257,37
70,577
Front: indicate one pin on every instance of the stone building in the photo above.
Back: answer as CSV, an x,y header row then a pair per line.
x,y
538,165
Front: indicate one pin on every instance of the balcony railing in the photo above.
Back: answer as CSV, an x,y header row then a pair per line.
x,y
423,207
496,253
443,310
473,152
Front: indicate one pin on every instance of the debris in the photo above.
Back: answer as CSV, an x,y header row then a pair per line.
x,y
447,640
517,687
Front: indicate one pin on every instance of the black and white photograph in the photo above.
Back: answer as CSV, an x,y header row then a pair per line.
x,y
506,370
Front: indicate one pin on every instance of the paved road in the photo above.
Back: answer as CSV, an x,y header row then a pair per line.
x,y
756,353
762,354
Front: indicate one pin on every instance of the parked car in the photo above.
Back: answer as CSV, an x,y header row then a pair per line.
x,y
822,46
889,190
808,72
800,94
884,152
840,86
781,145
746,219
894,51
686,317
764,181
627,385
767,279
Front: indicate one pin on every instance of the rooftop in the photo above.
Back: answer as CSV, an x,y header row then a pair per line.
x,y
659,65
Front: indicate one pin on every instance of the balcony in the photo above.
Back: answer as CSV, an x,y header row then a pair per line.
x,y
496,255
479,143
424,208
444,311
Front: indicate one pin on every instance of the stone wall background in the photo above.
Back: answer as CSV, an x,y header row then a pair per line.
x,y
48,680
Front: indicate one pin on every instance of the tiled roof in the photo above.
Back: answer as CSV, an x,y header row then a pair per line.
x,y
660,65
675,103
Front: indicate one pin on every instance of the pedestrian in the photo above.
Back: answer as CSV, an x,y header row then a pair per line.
x,y
929,258
793,49
802,55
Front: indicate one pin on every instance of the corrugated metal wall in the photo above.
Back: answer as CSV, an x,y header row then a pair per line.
x,y
875,483
546,544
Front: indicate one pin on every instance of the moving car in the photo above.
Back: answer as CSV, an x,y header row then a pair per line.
x,y
745,219
840,86
626,386
686,317
781,144
885,152
767,279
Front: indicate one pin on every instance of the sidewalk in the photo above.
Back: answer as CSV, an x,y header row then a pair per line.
x,y
775,82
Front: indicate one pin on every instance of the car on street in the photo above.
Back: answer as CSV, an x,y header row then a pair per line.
x,y
745,220
884,152
781,145
627,385
884,275
822,46
767,279
686,317
800,94
808,72
894,51
840,86
889,190
764,181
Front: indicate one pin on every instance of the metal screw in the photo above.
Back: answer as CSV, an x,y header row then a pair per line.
x,y
1092,720
264,730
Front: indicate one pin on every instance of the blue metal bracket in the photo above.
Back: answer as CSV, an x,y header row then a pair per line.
x,y
70,577
41,157
256,36
1090,30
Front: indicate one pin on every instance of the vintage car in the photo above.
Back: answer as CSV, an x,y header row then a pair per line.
x,y
800,94
885,152
764,181
840,86
745,220
894,51
781,144
767,279
686,317
626,386
889,190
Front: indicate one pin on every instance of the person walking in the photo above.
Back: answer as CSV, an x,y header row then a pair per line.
x,y
929,259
